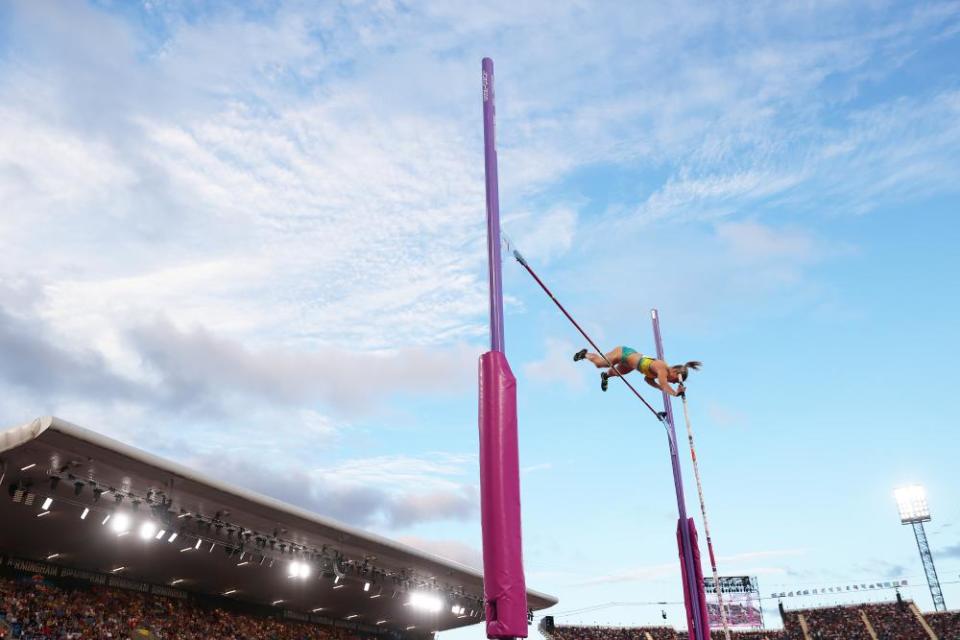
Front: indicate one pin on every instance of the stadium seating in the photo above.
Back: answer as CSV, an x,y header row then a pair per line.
x,y
945,624
649,633
38,610
889,621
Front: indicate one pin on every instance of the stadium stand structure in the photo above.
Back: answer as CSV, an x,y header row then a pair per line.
x,y
945,624
83,508
885,621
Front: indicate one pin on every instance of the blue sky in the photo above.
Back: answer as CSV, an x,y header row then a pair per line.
x,y
252,239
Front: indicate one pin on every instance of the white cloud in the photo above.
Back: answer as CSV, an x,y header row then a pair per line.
x,y
543,237
557,366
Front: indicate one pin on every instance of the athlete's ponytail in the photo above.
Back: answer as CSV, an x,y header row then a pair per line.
x,y
683,370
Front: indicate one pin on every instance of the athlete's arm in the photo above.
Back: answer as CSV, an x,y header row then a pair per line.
x,y
662,376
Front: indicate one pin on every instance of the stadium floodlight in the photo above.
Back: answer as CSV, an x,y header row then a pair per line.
x,y
173,536
120,524
298,570
352,616
366,586
381,622
199,542
86,512
425,602
148,530
28,467
47,504
912,504
914,510
160,534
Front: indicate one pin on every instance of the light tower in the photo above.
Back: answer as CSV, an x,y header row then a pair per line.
x,y
914,510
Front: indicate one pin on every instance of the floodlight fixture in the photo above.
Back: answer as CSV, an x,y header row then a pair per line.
x,y
86,512
425,602
914,510
47,503
912,504
120,523
298,570
28,467
148,530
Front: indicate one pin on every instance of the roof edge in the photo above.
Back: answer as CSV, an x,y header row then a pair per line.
x,y
21,435
32,430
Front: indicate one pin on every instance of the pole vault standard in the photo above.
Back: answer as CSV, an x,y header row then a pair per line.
x,y
693,591
504,586
694,596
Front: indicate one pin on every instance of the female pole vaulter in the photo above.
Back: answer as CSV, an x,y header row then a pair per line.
x,y
657,373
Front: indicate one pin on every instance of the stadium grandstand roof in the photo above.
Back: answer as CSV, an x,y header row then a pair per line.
x,y
81,500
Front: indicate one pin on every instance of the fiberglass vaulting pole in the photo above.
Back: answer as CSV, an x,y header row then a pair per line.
x,y
693,587
706,523
504,586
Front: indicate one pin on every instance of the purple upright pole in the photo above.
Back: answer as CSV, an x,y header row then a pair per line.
x,y
692,589
504,586
493,207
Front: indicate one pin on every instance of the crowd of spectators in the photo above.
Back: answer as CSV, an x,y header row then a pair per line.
x,y
946,624
38,610
890,621
649,633
827,623
894,622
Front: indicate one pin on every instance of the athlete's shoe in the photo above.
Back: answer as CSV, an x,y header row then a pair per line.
x,y
604,381
580,355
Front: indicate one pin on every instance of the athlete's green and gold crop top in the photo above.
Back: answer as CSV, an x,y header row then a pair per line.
x,y
644,366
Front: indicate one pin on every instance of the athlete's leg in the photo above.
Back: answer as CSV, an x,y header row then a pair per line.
x,y
613,357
